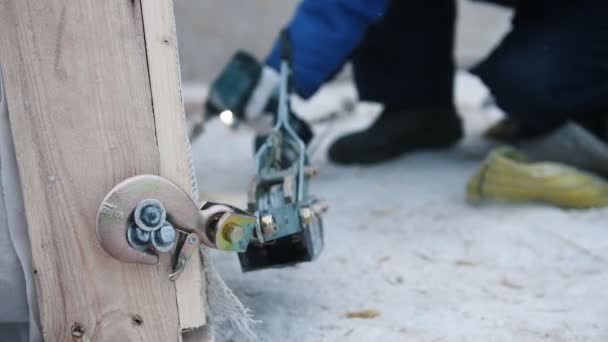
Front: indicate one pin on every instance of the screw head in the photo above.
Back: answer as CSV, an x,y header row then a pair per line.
x,y
164,238
149,215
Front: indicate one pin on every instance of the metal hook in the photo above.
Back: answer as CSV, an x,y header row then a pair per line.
x,y
144,214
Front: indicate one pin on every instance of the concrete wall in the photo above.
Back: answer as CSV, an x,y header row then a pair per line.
x,y
209,31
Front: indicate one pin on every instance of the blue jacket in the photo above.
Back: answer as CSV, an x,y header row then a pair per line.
x,y
323,35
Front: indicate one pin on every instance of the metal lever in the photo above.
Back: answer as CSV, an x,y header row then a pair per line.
x,y
147,214
186,252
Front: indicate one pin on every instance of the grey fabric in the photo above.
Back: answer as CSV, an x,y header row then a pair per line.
x,y
14,308
14,332
571,144
18,309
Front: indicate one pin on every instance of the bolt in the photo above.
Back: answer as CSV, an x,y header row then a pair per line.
x,y
306,215
150,214
233,233
164,238
138,238
310,171
268,227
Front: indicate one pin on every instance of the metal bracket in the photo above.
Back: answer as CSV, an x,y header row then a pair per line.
x,y
146,215
290,228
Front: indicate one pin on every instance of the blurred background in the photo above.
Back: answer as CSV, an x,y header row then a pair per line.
x,y
210,31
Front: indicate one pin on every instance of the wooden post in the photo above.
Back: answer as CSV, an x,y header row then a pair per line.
x,y
93,94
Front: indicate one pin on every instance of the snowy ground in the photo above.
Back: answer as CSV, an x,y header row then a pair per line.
x,y
400,239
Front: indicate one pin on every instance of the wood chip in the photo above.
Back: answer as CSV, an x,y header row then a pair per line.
x,y
382,212
465,263
384,259
507,283
366,314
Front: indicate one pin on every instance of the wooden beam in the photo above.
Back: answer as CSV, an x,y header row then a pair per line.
x,y
90,106
171,134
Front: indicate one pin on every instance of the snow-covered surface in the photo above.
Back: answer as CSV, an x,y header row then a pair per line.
x,y
400,239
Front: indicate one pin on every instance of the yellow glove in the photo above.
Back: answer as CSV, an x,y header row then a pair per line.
x,y
506,175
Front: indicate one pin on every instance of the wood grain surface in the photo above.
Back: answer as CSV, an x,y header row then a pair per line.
x,y
86,114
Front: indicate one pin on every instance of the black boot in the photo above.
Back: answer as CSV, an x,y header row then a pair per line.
x,y
397,132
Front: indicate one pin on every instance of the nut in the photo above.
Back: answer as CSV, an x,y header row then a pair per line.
x,y
233,234
311,171
306,215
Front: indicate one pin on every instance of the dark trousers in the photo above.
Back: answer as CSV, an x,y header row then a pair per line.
x,y
552,66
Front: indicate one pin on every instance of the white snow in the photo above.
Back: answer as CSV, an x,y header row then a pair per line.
x,y
401,239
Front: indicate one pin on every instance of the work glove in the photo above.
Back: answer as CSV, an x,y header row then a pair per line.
x,y
507,175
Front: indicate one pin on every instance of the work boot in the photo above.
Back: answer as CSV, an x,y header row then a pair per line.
x,y
397,132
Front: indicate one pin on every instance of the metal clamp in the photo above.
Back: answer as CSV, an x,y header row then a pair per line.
x,y
147,214
290,228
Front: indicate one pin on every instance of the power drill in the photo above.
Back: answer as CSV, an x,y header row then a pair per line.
x,y
231,91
